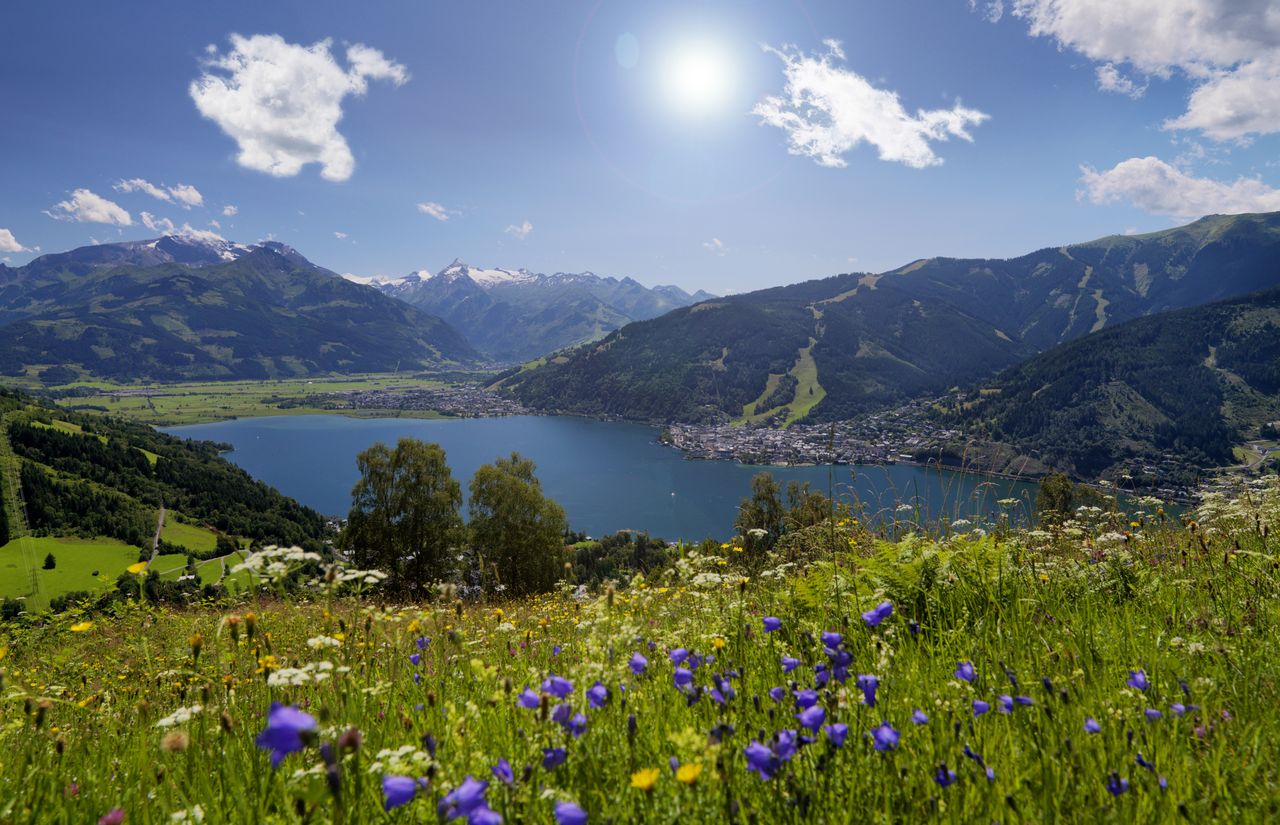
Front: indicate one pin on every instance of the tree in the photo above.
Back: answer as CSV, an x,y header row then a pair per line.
x,y
224,545
1054,499
50,562
518,532
763,511
404,516
806,507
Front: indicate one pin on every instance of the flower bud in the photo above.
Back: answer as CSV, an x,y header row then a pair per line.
x,y
351,740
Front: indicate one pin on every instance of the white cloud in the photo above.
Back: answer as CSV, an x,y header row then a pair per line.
x,y
1230,49
281,102
519,232
435,210
1111,79
186,196
339,235
206,235
162,225
8,243
992,10
183,194
86,207
1236,104
230,211
1155,186
141,185
715,245
827,111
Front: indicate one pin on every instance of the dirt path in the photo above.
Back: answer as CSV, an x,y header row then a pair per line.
x,y
155,542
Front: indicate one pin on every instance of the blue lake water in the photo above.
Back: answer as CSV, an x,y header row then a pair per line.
x,y
608,476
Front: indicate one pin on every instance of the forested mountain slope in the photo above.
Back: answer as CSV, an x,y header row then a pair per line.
x,y
830,348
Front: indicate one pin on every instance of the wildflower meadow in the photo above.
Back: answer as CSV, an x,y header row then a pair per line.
x,y
1111,669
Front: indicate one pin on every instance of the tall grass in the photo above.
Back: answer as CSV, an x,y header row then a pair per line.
x,y
1063,620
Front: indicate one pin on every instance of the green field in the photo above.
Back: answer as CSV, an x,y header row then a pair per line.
x,y
201,402
189,536
77,560
211,571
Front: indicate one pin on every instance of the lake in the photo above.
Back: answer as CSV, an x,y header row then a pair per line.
x,y
608,476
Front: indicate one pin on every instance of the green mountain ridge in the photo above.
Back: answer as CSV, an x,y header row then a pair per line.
x,y
882,338
1185,386
265,313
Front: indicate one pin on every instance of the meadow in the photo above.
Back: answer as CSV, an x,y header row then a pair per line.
x,y
1114,668
199,402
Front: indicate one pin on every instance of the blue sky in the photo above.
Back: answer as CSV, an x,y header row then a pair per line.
x,y
658,139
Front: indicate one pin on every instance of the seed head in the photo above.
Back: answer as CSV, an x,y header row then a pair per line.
x,y
175,741
42,708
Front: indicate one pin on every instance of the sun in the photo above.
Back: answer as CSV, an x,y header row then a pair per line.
x,y
698,78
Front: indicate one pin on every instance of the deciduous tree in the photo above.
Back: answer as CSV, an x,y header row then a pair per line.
x,y
518,531
404,516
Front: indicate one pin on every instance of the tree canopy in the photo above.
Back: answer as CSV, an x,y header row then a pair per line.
x,y
517,531
404,516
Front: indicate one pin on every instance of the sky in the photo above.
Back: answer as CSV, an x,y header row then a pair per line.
x,y
725,145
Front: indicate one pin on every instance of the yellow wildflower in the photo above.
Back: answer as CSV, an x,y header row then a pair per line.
x,y
139,568
81,627
645,779
268,663
718,643
688,774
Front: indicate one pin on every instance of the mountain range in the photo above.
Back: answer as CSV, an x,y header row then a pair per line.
x,y
517,315
197,307
831,348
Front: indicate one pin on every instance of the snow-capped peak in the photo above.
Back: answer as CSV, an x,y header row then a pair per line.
x,y
485,278
375,280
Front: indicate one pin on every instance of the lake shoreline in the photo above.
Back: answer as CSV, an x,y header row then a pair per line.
x,y
605,474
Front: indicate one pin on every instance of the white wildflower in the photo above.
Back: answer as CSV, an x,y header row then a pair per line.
x,y
179,717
